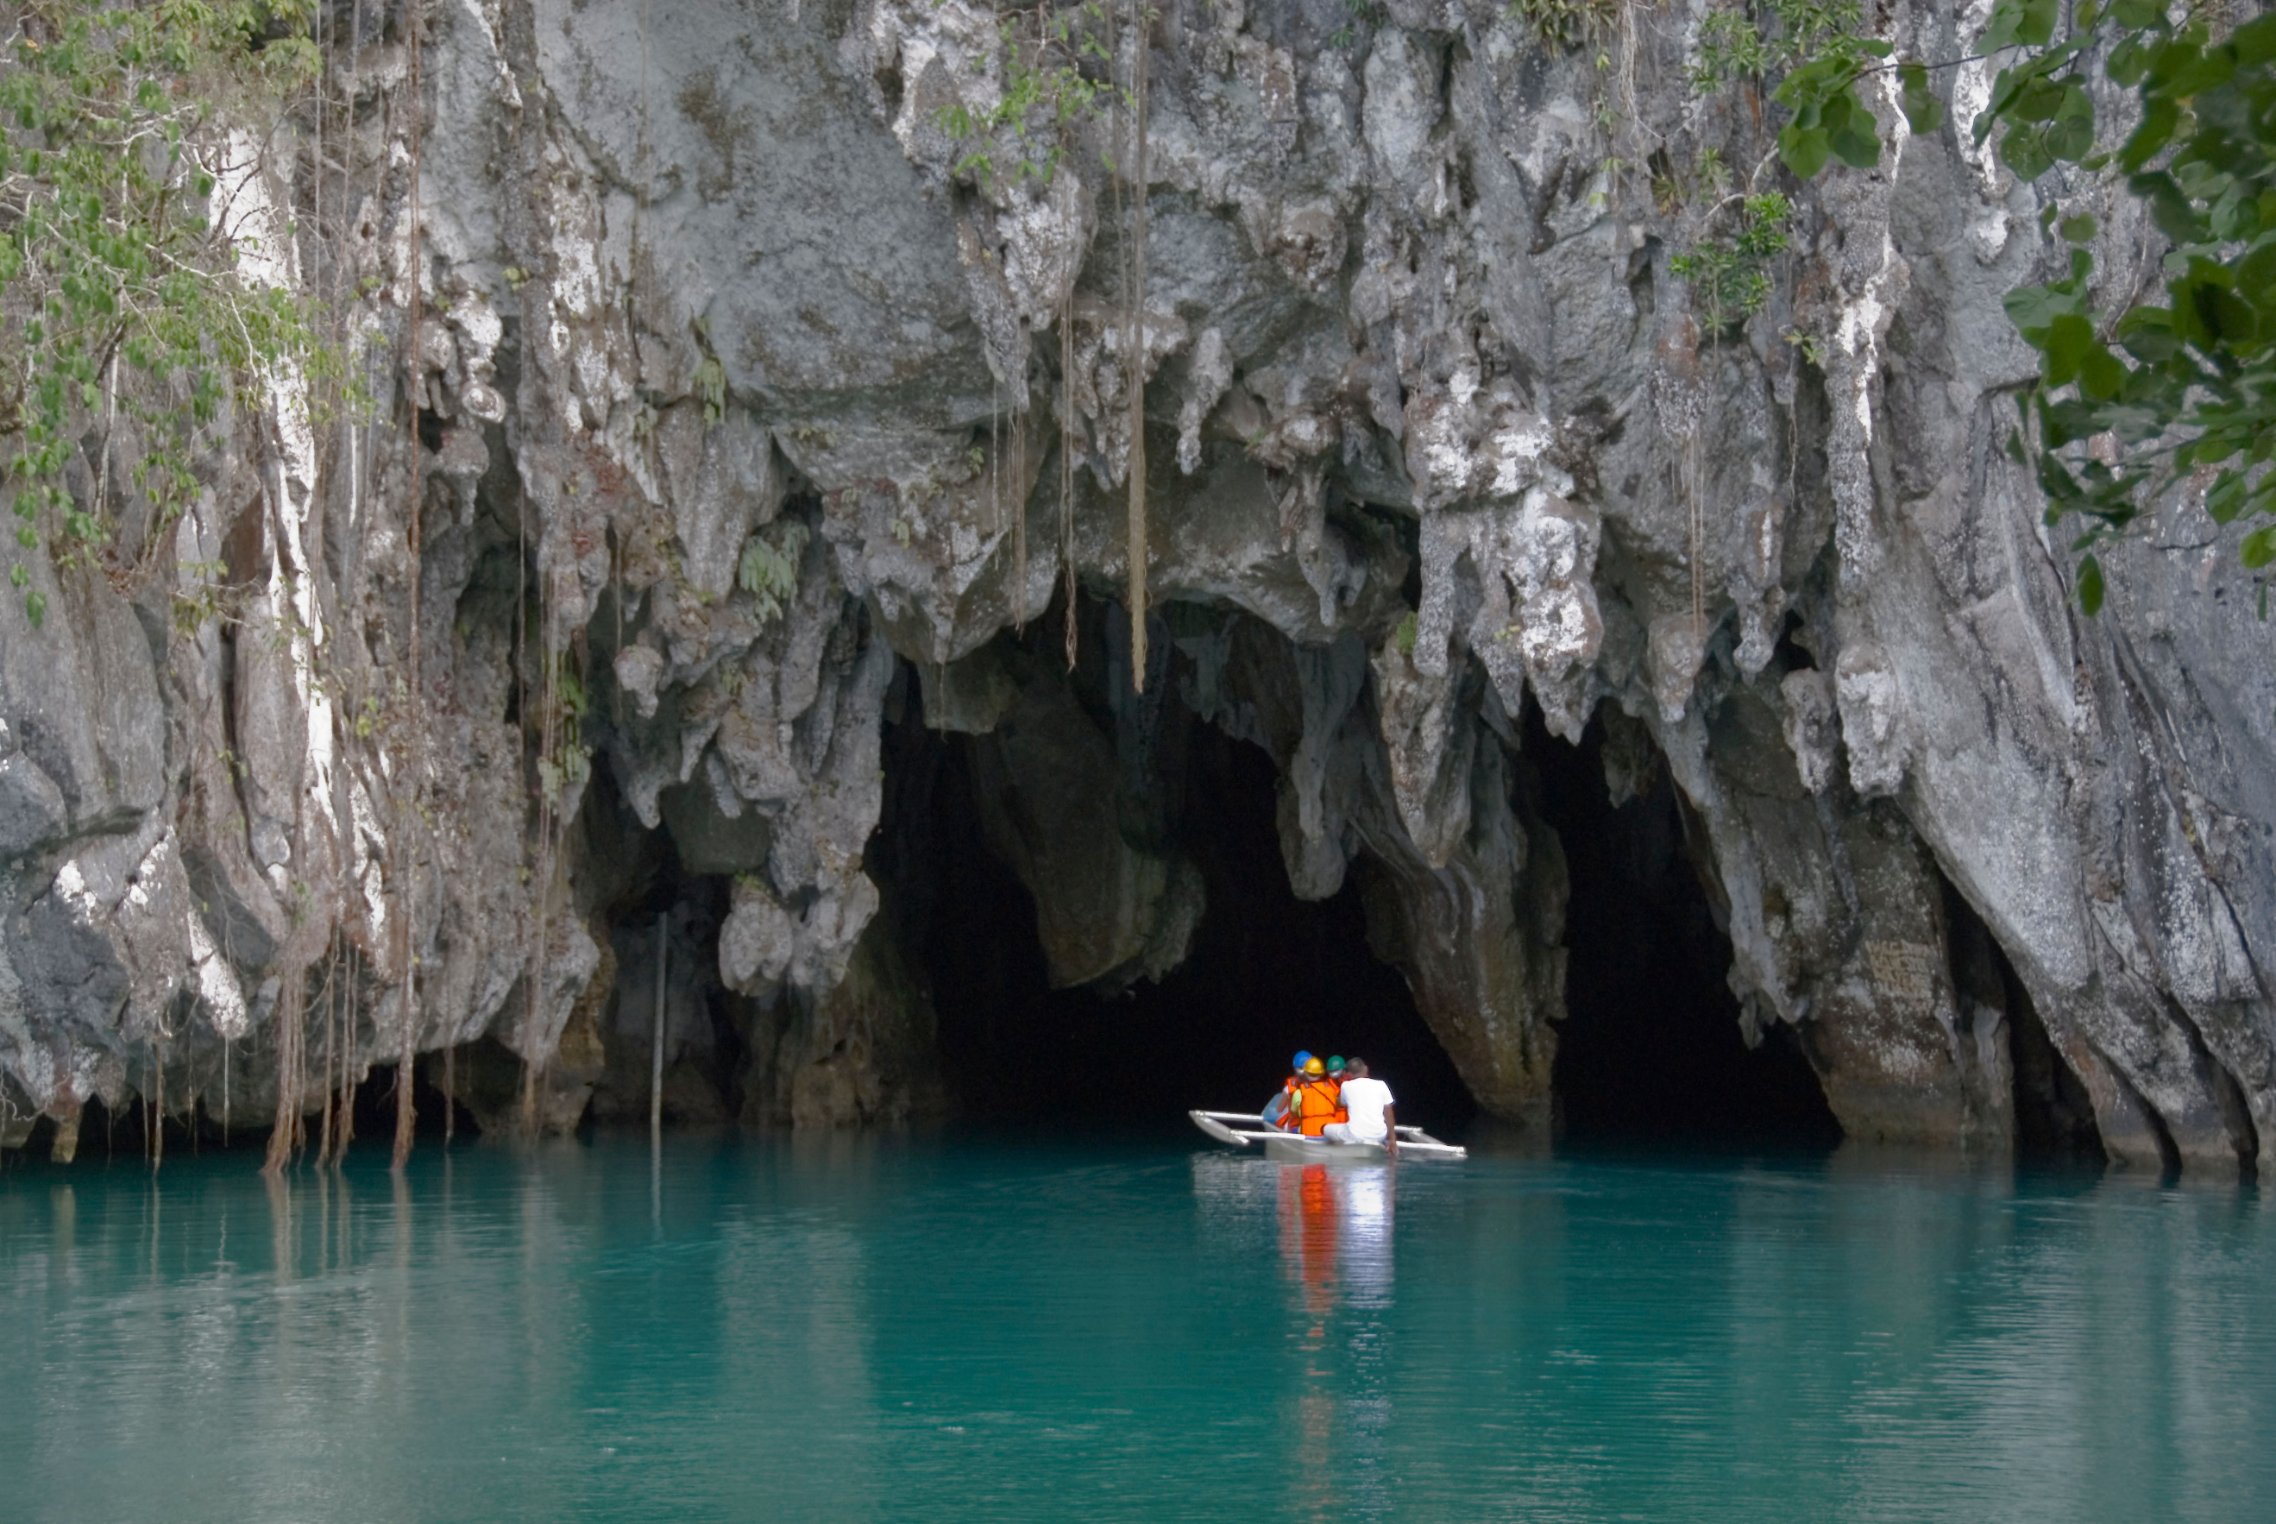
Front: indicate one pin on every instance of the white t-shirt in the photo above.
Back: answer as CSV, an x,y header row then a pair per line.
x,y
1365,1100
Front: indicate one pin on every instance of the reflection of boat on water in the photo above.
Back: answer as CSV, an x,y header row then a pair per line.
x,y
1335,1235
1333,1232
1243,1129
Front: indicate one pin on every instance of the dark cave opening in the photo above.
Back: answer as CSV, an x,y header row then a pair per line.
x,y
435,1115
672,882
1651,1049
1266,973
2054,1117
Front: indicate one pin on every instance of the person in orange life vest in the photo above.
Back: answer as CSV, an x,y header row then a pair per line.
x,y
1280,1111
1318,1100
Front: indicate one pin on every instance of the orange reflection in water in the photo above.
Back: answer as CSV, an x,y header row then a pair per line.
x,y
1308,1216
1335,1245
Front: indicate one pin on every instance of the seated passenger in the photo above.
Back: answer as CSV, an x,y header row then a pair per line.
x,y
1279,1111
1371,1116
1318,1100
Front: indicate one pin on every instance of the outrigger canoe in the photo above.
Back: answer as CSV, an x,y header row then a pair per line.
x,y
1245,1129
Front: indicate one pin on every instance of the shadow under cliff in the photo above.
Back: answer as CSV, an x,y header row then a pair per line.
x,y
1651,1048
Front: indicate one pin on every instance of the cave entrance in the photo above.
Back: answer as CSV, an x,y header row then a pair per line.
x,y
1264,974
1651,1049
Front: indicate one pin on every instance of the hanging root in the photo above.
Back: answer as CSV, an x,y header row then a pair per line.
x,y
1067,458
330,998
1698,546
290,1132
344,1132
1019,522
1134,347
406,1117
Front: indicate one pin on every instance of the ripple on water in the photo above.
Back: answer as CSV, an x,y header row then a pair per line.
x,y
992,1329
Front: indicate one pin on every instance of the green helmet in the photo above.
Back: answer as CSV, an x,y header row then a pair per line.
x,y
1335,1063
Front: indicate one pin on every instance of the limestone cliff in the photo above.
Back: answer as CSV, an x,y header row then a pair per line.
x,y
740,413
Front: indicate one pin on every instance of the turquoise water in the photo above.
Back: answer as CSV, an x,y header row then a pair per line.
x,y
1007,1328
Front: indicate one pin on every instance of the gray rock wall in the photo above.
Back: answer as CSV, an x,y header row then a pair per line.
x,y
740,384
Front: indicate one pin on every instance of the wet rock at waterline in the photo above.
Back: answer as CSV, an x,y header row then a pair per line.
x,y
742,426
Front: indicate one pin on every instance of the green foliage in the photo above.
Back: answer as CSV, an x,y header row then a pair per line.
x,y
1056,76
711,386
1745,42
1404,636
1566,23
568,762
1730,277
1820,52
1357,14
120,294
2137,394
768,570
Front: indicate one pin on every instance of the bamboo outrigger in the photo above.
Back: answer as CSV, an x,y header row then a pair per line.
x,y
1245,1129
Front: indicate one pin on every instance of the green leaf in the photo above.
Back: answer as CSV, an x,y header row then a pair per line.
x,y
2147,334
2070,137
2033,310
2024,151
1803,149
2226,499
2080,229
1857,143
2255,42
2030,23
2231,318
2258,549
2160,116
1922,109
2170,208
2070,338
2101,375
2090,586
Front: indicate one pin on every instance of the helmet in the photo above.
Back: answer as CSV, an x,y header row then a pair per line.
x,y
1302,1058
1314,1066
1335,1064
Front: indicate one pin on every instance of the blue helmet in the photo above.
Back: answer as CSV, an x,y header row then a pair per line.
x,y
1296,1064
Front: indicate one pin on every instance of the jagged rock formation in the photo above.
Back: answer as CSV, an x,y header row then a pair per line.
x,y
741,391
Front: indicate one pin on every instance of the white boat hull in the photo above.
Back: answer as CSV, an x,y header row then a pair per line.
x,y
1246,1131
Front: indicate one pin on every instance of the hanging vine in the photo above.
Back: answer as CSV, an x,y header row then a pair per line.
x,y
406,1115
1058,84
1134,344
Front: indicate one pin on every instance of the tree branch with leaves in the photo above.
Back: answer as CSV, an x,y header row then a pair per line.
x,y
120,287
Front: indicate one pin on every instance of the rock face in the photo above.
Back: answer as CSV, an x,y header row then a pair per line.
x,y
742,387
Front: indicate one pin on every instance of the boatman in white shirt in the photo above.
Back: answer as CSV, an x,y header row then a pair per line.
x,y
1367,1102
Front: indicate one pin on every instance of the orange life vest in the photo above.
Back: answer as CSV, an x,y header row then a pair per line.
x,y
1319,1102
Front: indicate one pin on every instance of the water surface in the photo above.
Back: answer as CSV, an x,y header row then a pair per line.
x,y
1009,1328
